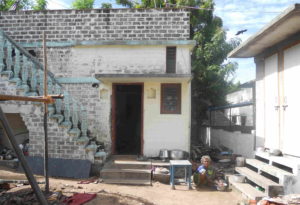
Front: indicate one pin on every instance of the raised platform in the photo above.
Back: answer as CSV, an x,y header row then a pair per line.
x,y
126,169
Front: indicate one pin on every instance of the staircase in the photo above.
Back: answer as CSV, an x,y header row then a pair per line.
x,y
22,74
267,175
126,170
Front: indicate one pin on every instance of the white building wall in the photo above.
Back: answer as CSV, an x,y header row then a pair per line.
x,y
166,131
169,131
290,139
243,95
239,143
260,104
271,93
85,61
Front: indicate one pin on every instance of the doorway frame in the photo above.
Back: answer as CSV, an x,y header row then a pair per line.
x,y
113,117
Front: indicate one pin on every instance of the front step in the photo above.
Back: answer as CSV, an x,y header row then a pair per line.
x,y
283,176
271,188
127,181
120,164
249,191
126,175
126,170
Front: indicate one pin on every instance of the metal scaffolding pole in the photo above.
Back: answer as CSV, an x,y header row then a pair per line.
x,y
9,133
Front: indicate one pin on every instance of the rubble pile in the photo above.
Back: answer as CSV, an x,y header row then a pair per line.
x,y
27,197
9,154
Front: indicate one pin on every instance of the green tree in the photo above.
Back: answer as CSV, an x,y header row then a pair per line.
x,y
40,5
83,4
106,6
6,5
211,73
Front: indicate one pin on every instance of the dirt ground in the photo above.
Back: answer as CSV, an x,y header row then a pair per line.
x,y
111,194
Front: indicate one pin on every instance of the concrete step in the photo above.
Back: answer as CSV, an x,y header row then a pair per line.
x,y
281,174
246,189
123,164
290,162
118,174
271,188
128,181
124,157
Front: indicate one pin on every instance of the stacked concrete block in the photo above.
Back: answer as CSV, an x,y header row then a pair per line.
x,y
97,24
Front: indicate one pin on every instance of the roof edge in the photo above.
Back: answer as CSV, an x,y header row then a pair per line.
x,y
287,12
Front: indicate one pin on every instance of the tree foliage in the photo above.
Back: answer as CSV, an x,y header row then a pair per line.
x,y
40,5
83,4
106,6
6,5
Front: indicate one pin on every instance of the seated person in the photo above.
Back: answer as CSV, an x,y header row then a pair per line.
x,y
205,175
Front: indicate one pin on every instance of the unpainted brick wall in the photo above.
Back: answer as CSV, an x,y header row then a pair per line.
x,y
60,143
97,24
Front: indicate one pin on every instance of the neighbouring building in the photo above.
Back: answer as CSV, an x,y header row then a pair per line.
x,y
276,51
125,73
232,125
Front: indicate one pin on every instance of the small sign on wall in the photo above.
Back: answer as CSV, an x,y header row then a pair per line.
x,y
151,93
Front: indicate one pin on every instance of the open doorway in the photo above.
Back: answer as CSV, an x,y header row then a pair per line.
x,y
127,118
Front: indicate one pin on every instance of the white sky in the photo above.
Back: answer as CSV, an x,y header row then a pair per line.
x,y
236,15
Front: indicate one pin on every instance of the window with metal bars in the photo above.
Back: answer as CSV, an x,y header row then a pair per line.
x,y
170,98
171,60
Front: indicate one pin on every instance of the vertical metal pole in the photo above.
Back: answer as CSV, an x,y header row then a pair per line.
x,y
9,133
45,118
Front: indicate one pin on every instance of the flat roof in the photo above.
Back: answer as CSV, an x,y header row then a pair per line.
x,y
280,28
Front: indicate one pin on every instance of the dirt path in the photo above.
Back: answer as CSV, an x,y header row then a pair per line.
x,y
158,193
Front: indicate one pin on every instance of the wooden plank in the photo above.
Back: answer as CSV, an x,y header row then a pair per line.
x,y
271,188
248,190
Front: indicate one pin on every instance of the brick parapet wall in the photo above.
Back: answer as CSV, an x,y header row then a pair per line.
x,y
97,24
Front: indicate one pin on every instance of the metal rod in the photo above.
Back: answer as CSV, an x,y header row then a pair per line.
x,y
48,99
46,174
9,133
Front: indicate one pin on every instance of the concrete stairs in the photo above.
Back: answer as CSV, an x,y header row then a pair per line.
x,y
21,74
266,175
126,170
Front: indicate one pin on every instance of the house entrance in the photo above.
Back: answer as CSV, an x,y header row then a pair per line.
x,y
127,118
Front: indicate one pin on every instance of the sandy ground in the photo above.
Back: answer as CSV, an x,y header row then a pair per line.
x,y
158,193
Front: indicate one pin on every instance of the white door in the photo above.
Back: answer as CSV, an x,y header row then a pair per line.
x,y
272,139
291,99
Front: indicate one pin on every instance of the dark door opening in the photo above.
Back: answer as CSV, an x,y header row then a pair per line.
x,y
128,120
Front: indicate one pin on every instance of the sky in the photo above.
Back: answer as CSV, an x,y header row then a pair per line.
x,y
236,15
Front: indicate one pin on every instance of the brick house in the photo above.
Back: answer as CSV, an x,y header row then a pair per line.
x,y
125,73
